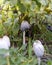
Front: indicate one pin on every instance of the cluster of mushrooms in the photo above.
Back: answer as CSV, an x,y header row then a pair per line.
x,y
37,45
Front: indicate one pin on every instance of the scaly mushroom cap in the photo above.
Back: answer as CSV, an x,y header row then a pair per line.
x,y
38,48
25,25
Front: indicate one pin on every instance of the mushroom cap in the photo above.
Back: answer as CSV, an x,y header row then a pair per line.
x,y
6,40
38,48
3,44
25,25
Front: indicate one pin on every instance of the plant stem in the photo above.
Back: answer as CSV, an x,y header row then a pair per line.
x,y
8,63
39,60
23,37
29,48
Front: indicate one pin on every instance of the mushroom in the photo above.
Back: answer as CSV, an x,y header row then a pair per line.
x,y
24,26
5,44
38,50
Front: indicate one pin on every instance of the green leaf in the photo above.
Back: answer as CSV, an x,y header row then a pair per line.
x,y
43,2
49,62
22,8
26,2
3,51
29,48
38,3
1,2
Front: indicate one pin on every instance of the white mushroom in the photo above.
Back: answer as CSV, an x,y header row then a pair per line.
x,y
24,25
38,50
5,44
7,40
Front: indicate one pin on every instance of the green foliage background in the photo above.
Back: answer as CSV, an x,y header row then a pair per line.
x,y
13,12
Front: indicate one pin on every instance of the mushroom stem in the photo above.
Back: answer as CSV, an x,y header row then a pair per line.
x,y
23,37
39,60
